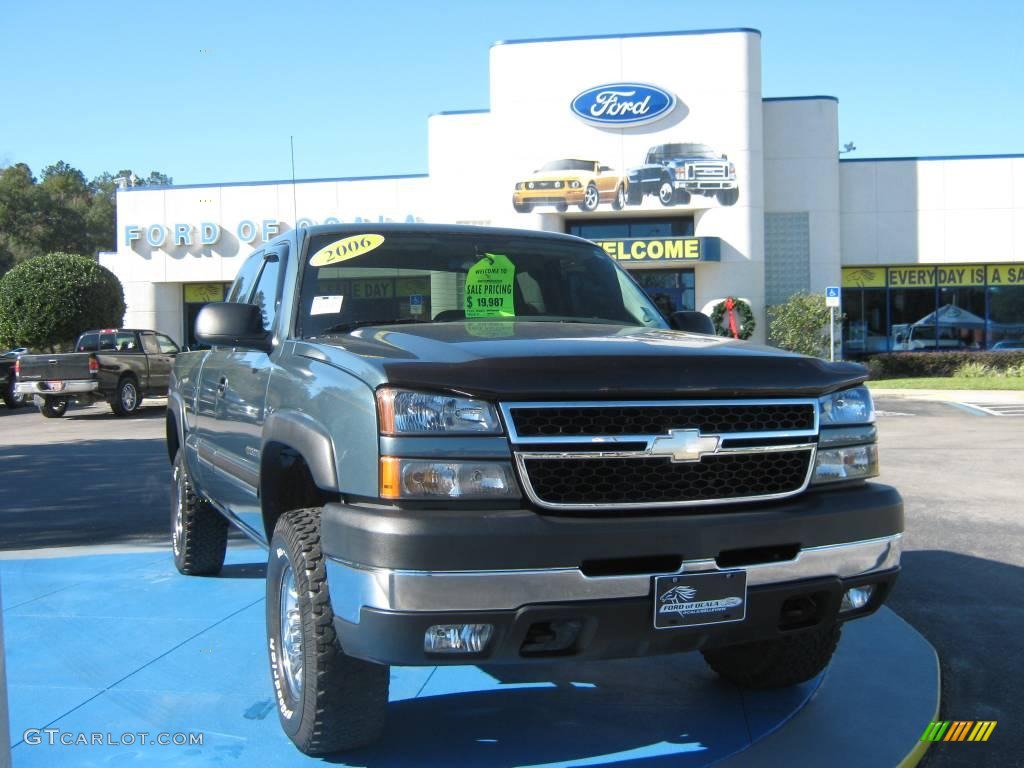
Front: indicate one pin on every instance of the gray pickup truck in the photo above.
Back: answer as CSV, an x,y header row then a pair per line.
x,y
466,445
116,365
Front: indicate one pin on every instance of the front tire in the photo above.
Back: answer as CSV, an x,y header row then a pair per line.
x,y
777,663
591,198
53,407
327,701
199,534
728,196
127,399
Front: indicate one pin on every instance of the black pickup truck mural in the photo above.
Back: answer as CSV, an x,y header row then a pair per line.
x,y
675,172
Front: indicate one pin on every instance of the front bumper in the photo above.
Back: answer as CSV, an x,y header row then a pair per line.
x,y
394,573
69,388
693,185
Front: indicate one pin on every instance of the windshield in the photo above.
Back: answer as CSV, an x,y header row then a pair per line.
x,y
673,151
416,277
569,165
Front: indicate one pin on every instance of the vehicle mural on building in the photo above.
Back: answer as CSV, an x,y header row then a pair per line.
x,y
675,172
570,181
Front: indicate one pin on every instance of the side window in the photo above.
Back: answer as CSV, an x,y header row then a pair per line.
x,y
90,342
166,346
107,342
125,341
149,344
246,275
265,296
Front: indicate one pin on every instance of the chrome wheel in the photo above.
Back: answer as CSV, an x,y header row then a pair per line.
x,y
291,634
179,518
666,193
591,198
129,396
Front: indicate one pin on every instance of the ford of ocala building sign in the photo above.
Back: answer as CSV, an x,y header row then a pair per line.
x,y
692,180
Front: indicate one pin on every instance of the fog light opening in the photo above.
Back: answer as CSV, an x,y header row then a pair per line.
x,y
457,638
856,598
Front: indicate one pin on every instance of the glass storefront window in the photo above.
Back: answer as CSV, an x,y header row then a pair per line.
x,y
960,317
673,290
1006,317
865,329
607,229
909,329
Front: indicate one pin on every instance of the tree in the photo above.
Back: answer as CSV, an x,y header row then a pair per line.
x,y
49,300
800,325
61,212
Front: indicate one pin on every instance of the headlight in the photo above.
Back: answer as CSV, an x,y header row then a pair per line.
x,y
851,406
424,479
575,184
403,412
558,185
519,185
855,462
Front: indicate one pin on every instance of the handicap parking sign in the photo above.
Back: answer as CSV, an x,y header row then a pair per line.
x,y
832,296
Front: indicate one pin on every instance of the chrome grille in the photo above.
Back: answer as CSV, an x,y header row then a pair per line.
x,y
643,454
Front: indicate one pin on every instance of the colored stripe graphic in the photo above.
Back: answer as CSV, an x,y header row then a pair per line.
x,y
959,730
982,730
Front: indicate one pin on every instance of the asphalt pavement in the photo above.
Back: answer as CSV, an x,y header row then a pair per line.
x,y
94,479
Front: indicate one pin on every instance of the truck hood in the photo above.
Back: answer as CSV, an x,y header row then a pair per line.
x,y
549,360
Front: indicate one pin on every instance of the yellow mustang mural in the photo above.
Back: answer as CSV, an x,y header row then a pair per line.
x,y
562,183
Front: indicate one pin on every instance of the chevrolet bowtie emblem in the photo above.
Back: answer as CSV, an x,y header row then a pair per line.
x,y
684,445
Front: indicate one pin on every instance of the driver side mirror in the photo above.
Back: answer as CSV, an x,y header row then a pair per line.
x,y
233,325
692,322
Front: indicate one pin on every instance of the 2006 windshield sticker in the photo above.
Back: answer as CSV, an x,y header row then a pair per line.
x,y
345,249
489,287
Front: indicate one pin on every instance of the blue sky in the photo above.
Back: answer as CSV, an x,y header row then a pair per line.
x,y
110,85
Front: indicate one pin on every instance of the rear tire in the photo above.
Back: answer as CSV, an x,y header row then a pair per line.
x,y
12,399
127,400
619,201
199,534
53,407
777,663
327,701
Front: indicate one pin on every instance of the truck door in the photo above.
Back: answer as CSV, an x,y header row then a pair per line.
x,y
208,387
241,405
160,363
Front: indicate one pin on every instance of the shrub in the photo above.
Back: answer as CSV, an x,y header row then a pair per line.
x,y
49,300
975,370
800,324
911,365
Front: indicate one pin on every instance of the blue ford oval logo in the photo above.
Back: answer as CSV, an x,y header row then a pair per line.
x,y
623,104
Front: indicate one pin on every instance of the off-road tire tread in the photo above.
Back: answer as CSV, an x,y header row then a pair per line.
x,y
776,663
204,531
351,695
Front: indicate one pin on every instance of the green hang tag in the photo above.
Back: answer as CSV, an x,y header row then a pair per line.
x,y
489,287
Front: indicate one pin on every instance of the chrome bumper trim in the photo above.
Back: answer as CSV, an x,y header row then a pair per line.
x,y
70,388
353,588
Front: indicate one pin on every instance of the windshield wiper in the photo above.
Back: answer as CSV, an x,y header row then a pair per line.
x,y
352,325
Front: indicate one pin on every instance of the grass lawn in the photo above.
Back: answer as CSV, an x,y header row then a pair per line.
x,y
952,382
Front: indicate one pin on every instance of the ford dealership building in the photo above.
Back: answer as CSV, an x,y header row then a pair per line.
x,y
665,152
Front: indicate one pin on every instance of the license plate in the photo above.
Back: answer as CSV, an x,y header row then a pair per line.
x,y
697,599
54,386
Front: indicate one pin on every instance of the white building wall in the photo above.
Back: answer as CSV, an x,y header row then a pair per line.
x,y
801,172
933,211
